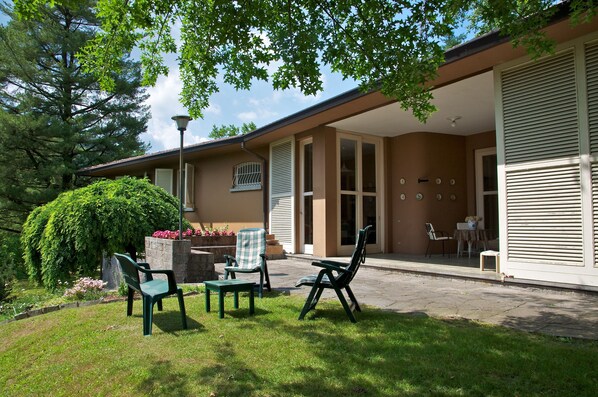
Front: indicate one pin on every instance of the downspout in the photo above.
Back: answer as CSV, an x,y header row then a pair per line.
x,y
264,183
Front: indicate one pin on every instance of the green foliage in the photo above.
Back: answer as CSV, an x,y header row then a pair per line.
x,y
225,131
11,263
54,117
66,237
28,296
123,288
7,277
394,46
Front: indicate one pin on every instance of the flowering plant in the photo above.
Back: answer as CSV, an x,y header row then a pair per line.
x,y
473,218
171,234
86,288
174,234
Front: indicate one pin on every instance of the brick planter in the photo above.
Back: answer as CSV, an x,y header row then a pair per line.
x,y
176,255
211,241
217,245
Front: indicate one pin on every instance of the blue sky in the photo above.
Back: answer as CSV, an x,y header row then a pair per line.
x,y
261,104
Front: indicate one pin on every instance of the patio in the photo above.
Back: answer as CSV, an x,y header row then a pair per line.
x,y
452,267
454,288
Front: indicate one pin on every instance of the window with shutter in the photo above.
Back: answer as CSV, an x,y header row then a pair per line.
x,y
189,186
163,178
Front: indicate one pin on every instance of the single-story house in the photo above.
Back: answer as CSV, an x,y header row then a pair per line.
x,y
514,141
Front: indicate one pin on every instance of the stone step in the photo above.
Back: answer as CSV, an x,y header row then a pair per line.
x,y
274,250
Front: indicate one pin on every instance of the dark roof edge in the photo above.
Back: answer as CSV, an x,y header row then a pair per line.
x,y
333,102
162,154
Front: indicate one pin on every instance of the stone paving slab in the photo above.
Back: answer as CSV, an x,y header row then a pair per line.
x,y
553,312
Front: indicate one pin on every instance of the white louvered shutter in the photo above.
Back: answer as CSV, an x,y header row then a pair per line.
x,y
281,193
544,215
544,209
540,110
189,186
591,55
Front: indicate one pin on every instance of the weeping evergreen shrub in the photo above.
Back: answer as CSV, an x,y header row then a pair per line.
x,y
65,238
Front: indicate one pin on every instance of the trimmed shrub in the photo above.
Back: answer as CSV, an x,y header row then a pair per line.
x,y
65,238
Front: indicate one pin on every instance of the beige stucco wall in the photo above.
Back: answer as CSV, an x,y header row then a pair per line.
x,y
430,156
324,185
425,156
215,204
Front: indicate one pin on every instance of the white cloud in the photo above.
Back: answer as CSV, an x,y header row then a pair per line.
x,y
261,104
213,108
164,103
247,116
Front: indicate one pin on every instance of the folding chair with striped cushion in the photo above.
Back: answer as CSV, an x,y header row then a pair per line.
x,y
250,257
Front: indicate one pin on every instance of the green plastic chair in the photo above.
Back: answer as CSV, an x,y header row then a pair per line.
x,y
338,276
151,290
250,257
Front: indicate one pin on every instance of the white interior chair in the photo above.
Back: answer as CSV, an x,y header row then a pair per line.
x,y
435,235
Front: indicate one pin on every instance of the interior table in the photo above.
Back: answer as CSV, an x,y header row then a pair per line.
x,y
470,236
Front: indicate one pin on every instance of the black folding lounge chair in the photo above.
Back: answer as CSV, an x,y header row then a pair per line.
x,y
336,275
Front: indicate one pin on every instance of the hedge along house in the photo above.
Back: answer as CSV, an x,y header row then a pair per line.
x,y
514,141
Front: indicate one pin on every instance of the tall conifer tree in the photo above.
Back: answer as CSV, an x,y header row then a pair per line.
x,y
54,118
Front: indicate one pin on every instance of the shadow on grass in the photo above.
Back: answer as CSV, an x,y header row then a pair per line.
x,y
170,321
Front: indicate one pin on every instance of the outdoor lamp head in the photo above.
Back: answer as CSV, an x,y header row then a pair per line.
x,y
181,121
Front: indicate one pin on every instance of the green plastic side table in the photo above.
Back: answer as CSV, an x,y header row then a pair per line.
x,y
224,286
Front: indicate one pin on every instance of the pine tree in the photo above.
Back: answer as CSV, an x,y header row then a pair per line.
x,y
54,118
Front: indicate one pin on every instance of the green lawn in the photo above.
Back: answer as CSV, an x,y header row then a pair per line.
x,y
98,351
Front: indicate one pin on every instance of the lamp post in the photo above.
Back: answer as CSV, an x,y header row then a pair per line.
x,y
181,124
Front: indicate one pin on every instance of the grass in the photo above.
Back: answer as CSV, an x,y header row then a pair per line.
x,y
97,350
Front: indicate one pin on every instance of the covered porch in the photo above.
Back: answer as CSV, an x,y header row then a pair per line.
x,y
445,266
453,267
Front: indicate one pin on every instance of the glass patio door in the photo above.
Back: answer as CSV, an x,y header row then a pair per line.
x,y
359,187
487,190
307,197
